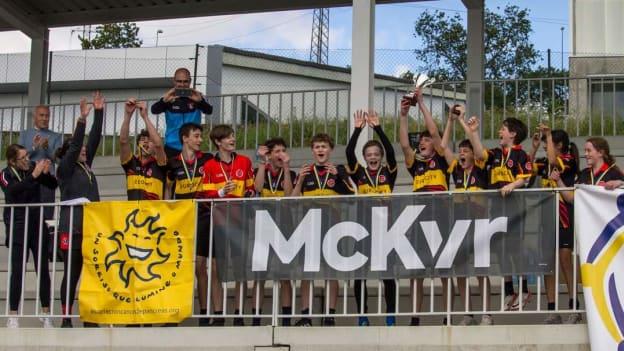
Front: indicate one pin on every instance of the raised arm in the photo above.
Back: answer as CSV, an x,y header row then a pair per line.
x,y
551,152
161,105
535,144
358,122
408,152
125,151
471,127
261,173
446,136
433,129
373,121
159,149
202,104
95,134
68,161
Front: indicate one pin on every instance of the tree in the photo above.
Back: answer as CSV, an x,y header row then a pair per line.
x,y
508,51
407,75
113,35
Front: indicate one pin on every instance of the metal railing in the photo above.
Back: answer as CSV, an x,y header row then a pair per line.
x,y
581,106
271,304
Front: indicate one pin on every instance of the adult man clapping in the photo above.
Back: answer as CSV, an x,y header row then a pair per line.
x,y
41,143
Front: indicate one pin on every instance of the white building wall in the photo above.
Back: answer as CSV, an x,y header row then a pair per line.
x,y
597,27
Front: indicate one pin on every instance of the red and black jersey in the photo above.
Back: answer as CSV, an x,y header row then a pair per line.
x,y
187,176
274,182
566,164
319,182
380,181
508,165
601,176
238,170
145,178
429,174
475,179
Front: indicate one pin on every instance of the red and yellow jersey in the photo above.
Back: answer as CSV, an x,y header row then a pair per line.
x,y
508,165
429,174
475,179
238,170
274,182
145,178
187,176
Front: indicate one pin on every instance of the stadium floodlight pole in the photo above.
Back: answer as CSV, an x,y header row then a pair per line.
x,y
562,48
197,46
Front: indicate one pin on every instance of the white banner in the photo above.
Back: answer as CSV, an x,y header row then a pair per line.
x,y
599,225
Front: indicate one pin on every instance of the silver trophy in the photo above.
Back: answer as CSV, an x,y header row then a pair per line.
x,y
421,81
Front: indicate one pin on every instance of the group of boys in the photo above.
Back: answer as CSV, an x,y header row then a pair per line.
x,y
159,171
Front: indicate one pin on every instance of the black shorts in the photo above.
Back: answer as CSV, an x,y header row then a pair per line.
x,y
202,239
566,237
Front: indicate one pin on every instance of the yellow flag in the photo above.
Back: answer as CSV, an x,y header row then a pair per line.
x,y
138,262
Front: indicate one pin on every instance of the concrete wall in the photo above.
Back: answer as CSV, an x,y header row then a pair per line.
x,y
488,338
597,27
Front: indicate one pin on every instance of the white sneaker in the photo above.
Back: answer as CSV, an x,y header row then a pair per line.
x,y
468,320
47,322
12,323
511,302
553,319
574,318
487,320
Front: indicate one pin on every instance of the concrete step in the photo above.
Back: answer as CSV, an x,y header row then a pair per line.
x,y
434,338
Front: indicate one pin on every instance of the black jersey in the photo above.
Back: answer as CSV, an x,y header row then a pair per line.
x,y
601,177
566,164
380,181
476,179
507,166
274,182
319,182
145,178
429,174
187,176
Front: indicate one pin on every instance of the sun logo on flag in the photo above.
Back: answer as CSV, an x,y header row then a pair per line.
x,y
137,251
598,275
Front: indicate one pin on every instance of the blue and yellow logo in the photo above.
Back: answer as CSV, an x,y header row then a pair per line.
x,y
593,273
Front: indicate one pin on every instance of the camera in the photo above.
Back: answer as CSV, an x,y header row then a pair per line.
x,y
183,92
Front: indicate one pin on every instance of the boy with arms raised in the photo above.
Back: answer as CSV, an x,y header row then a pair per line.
x,y
429,169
